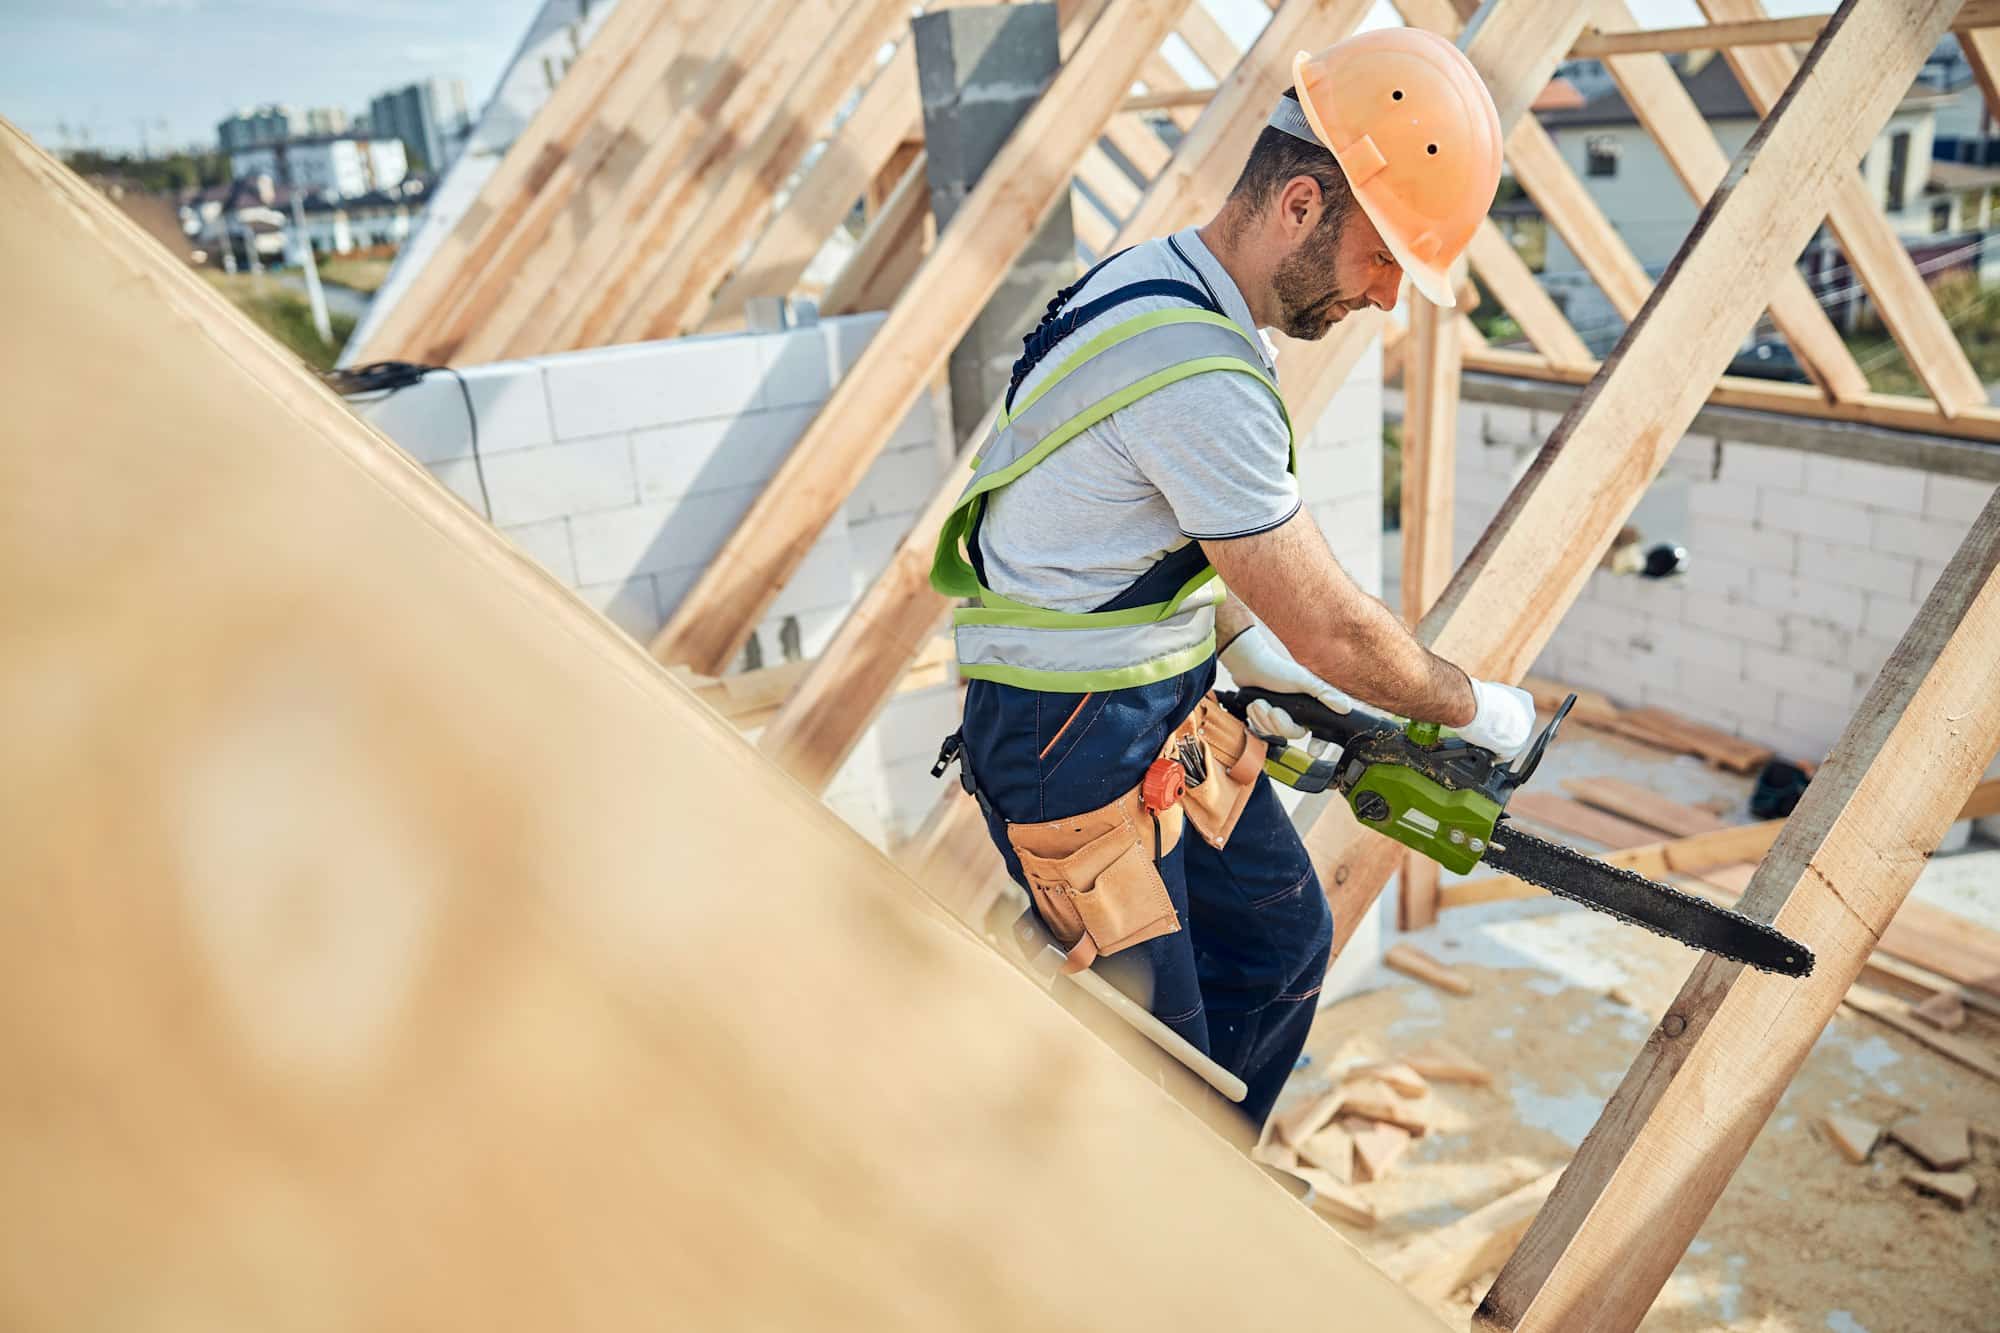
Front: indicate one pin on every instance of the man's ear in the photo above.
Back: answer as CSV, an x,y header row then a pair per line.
x,y
1299,204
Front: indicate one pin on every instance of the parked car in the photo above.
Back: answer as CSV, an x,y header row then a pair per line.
x,y
1768,359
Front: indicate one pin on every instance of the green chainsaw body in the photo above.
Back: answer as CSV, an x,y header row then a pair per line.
x,y
1413,782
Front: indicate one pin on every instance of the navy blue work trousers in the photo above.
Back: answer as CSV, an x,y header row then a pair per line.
x,y
1240,980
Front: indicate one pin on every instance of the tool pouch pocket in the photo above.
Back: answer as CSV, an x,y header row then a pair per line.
x,y
1094,880
1235,762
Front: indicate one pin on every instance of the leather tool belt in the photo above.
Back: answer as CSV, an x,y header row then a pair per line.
x,y
1095,877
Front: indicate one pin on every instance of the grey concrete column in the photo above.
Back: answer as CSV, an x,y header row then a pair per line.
x,y
979,69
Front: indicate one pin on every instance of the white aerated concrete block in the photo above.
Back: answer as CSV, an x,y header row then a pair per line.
x,y
1762,465
1741,545
571,477
795,367
1728,500
547,544
1810,516
1955,499
1857,567
1865,483
654,384
846,338
629,604
641,539
1927,539
1827,683
696,457
1889,617
1796,593
1734,618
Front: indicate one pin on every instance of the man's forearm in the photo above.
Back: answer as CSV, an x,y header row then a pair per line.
x,y
1333,628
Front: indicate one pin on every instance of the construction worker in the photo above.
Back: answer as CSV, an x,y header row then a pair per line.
x,y
1144,449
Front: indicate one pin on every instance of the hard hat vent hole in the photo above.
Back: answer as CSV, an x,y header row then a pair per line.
x,y
1397,95
1432,150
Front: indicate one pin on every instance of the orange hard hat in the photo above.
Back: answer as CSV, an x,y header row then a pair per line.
x,y
1411,124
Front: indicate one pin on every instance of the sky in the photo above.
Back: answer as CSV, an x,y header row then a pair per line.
x,y
168,70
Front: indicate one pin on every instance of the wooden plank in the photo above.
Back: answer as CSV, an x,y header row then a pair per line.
x,y
1560,518
554,1057
1958,1188
833,706
1642,804
971,257
633,36
1438,1263
886,117
1873,249
892,249
1898,1015
1881,967
700,253
1210,44
1414,962
1094,231
599,296
1430,451
1107,183
1612,40
555,236
1646,1176
1884,410
1662,104
1717,747
1592,707
1506,276
1558,812
1138,143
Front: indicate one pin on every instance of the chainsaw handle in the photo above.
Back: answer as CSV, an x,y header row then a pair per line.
x,y
1308,712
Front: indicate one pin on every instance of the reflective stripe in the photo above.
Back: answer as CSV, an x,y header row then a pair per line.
x,y
1007,641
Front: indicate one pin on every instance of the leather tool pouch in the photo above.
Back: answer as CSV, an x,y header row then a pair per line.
x,y
1235,762
1094,880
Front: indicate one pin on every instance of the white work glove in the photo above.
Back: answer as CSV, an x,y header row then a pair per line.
x,y
1255,658
1505,719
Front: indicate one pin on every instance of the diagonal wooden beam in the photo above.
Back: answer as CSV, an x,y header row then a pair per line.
x,y
1504,602
1981,47
1800,31
475,325
701,255
637,41
971,257
1661,102
1874,251
1676,1129
838,699
1518,291
593,301
891,249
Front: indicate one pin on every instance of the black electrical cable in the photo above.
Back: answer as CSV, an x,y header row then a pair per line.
x,y
391,377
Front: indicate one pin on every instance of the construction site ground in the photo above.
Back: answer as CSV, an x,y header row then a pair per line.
x,y
1801,1239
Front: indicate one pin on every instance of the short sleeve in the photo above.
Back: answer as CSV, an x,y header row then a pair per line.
x,y
1216,445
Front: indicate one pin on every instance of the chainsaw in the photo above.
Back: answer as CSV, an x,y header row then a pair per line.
x,y
1447,799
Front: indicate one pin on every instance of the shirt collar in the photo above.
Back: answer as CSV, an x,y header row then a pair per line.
x,y
1224,288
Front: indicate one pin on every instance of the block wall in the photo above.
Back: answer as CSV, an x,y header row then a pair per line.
x,y
622,470
1805,567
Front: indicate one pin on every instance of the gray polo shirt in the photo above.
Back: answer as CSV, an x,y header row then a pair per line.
x,y
1202,458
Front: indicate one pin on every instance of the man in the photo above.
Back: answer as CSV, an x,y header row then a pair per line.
x,y
1144,450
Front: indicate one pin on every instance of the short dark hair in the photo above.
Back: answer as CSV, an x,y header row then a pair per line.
x,y
1276,158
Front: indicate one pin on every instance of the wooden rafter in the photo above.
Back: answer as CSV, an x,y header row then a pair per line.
x,y
1663,107
597,297
585,1016
1874,251
638,40
1562,516
891,250
1800,31
477,325
1506,275
1674,1132
835,703
970,259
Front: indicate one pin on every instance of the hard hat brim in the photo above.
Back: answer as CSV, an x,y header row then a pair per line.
x,y
1432,281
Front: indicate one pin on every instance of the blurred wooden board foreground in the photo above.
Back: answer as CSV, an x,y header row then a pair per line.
x,y
388,944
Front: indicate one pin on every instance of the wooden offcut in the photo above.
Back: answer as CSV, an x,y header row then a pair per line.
x,y
1414,962
1442,1261
1851,1136
1940,1142
1643,805
1957,1188
1559,812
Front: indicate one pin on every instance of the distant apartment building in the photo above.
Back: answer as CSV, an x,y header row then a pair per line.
x,y
338,166
258,127
255,127
429,117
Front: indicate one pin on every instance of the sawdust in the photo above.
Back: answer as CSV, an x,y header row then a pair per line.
x,y
1801,1240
